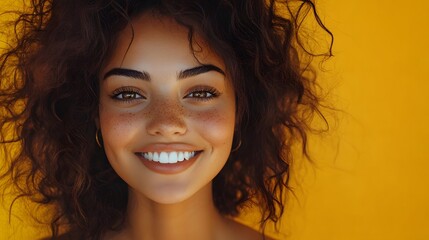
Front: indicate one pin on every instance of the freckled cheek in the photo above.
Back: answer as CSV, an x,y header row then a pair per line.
x,y
215,126
117,127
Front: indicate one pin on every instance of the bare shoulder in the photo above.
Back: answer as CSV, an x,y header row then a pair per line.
x,y
239,231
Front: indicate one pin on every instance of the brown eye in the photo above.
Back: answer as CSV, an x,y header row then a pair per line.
x,y
127,94
201,94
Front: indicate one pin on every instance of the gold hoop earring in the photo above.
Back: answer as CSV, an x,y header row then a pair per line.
x,y
96,138
238,146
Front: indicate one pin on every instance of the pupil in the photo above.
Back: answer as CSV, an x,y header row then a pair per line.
x,y
202,94
129,95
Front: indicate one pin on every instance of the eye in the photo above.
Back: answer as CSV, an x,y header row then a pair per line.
x,y
127,94
200,94
203,93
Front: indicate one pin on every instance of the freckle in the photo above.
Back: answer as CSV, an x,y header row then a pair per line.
x,y
169,111
147,112
211,115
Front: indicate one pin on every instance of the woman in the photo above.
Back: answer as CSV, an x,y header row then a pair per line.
x,y
155,119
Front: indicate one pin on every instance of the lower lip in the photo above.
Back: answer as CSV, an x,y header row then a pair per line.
x,y
169,168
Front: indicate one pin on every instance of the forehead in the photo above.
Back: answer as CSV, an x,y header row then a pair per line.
x,y
151,39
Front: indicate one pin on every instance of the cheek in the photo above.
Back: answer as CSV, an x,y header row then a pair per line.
x,y
116,127
216,126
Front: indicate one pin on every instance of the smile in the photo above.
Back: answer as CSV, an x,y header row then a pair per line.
x,y
168,157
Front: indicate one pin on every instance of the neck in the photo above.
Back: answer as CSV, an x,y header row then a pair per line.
x,y
194,218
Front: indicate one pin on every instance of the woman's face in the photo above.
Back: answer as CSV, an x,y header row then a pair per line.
x,y
167,119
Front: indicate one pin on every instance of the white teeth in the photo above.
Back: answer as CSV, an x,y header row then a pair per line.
x,y
168,157
180,157
172,157
155,157
188,155
163,157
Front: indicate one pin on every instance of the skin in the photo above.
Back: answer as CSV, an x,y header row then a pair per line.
x,y
168,113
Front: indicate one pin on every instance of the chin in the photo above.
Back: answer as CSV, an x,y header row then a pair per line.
x,y
170,194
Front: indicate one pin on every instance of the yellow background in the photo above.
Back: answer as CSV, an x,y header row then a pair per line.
x,y
370,179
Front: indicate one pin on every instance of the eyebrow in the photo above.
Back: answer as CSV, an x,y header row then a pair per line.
x,y
199,70
142,75
127,73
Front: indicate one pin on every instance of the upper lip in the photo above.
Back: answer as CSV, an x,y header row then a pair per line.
x,y
169,147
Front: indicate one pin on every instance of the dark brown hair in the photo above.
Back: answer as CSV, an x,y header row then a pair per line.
x,y
49,100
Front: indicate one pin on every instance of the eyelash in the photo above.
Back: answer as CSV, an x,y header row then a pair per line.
x,y
214,93
127,90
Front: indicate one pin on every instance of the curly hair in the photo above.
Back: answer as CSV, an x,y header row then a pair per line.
x,y
49,96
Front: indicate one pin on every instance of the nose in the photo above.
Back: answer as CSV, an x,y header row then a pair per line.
x,y
166,119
